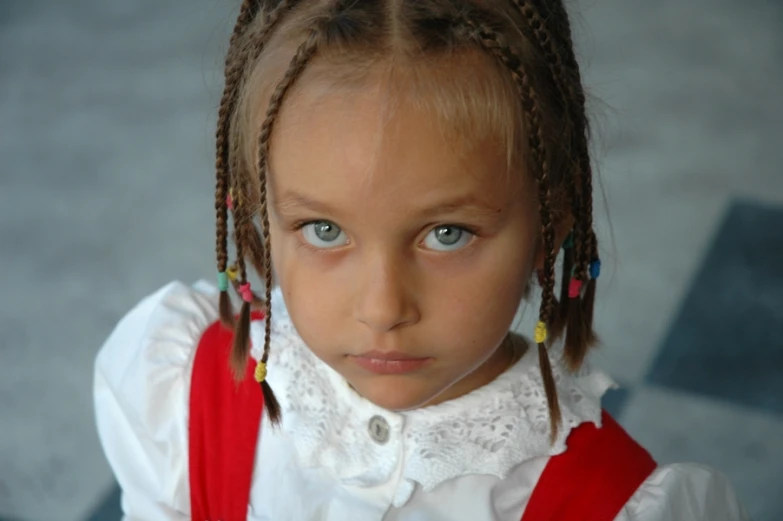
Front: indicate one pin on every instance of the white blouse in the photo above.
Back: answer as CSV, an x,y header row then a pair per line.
x,y
338,457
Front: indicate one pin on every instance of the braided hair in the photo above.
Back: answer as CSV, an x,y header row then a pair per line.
x,y
529,45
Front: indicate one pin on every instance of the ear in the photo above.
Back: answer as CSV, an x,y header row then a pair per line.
x,y
562,229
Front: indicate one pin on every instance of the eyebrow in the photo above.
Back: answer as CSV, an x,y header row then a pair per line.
x,y
291,201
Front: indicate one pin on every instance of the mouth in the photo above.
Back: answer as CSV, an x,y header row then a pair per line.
x,y
391,362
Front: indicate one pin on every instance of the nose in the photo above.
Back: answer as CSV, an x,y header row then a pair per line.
x,y
385,299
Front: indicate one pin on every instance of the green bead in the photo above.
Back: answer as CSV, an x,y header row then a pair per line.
x,y
223,281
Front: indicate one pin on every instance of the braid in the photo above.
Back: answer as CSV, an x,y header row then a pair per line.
x,y
245,236
575,110
254,245
241,347
493,42
545,43
270,23
303,54
233,69
589,246
589,296
578,115
251,242
574,312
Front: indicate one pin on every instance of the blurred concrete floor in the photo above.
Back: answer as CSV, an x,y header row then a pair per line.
x,y
106,118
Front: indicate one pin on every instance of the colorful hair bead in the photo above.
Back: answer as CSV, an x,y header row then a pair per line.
x,y
223,281
574,287
595,269
260,372
247,294
569,241
540,336
229,202
232,273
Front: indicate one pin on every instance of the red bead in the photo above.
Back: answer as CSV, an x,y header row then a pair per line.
x,y
574,288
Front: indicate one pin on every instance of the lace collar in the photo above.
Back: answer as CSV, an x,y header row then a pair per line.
x,y
488,431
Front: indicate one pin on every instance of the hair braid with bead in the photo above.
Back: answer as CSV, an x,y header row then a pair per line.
x,y
494,43
233,71
541,37
303,54
246,237
575,310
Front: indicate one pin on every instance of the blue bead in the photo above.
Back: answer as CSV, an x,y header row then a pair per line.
x,y
595,269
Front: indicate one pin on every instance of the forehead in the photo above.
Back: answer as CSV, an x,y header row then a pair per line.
x,y
387,135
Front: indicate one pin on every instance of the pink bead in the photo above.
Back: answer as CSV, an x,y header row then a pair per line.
x,y
244,290
574,288
229,203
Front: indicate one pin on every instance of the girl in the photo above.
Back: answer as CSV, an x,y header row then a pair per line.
x,y
413,165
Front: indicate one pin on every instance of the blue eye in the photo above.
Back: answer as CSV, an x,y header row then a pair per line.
x,y
447,238
324,234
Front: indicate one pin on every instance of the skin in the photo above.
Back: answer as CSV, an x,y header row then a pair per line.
x,y
390,181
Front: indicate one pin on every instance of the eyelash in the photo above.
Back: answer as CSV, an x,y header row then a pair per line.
x,y
470,229
297,226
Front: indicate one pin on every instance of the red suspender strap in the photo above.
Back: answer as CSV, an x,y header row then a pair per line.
x,y
593,479
224,422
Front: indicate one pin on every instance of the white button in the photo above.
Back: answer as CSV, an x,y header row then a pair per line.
x,y
379,429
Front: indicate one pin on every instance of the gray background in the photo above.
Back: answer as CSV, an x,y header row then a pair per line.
x,y
106,122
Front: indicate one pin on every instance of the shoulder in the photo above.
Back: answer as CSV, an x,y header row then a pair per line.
x,y
160,332
684,491
141,394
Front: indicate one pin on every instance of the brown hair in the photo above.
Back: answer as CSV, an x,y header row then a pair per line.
x,y
531,96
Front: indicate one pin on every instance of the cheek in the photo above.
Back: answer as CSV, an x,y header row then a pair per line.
x,y
311,297
477,306
498,277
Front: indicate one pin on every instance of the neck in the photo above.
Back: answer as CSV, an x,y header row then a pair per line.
x,y
507,354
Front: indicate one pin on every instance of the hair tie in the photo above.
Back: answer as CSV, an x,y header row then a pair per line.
x,y
247,294
574,288
222,281
595,269
260,371
540,335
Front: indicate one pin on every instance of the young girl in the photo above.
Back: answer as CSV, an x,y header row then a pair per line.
x,y
413,165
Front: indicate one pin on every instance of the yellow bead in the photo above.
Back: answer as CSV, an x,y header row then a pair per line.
x,y
232,273
540,332
260,372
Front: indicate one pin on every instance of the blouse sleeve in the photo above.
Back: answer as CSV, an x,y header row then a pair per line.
x,y
141,392
684,491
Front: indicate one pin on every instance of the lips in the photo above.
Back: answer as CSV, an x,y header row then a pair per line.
x,y
390,362
390,355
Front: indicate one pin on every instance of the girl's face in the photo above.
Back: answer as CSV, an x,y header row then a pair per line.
x,y
402,255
